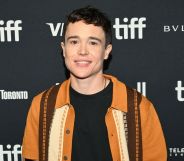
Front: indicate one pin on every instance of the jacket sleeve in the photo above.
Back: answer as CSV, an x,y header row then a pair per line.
x,y
30,140
154,146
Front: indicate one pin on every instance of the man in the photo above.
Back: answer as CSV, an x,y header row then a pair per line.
x,y
91,116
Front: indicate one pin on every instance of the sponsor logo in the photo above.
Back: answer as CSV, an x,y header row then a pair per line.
x,y
129,29
174,28
56,29
174,152
13,95
10,153
141,87
179,90
10,31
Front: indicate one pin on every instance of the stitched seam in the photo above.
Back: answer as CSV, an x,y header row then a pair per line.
x,y
125,126
51,128
136,126
45,124
120,141
61,134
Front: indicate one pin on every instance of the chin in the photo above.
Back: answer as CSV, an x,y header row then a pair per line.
x,y
80,75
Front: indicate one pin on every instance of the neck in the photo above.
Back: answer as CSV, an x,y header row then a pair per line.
x,y
89,85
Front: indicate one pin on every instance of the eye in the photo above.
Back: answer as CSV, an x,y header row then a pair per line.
x,y
73,42
93,43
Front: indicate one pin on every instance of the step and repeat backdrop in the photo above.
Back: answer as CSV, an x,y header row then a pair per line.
x,y
148,54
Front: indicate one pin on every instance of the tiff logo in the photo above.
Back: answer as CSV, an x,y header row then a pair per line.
x,y
179,89
129,28
57,29
141,87
12,95
10,151
11,28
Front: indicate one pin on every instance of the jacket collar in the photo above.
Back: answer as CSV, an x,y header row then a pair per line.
x,y
119,98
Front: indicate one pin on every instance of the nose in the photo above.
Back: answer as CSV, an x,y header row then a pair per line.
x,y
83,49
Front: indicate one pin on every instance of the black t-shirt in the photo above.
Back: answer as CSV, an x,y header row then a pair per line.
x,y
90,138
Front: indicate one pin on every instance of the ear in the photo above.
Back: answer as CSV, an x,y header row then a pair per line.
x,y
107,51
63,48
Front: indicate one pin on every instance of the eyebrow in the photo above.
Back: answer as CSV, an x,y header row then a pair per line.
x,y
95,38
72,37
91,37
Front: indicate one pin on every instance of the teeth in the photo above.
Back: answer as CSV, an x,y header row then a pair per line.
x,y
83,62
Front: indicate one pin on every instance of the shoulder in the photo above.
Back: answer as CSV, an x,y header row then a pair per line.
x,y
147,109
144,103
37,98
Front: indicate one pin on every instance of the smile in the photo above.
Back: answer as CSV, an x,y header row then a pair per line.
x,y
83,63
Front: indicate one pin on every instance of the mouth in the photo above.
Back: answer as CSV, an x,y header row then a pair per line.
x,y
83,63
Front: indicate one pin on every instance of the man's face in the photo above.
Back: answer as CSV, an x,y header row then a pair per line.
x,y
84,49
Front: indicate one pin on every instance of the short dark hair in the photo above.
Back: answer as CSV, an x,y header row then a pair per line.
x,y
90,15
